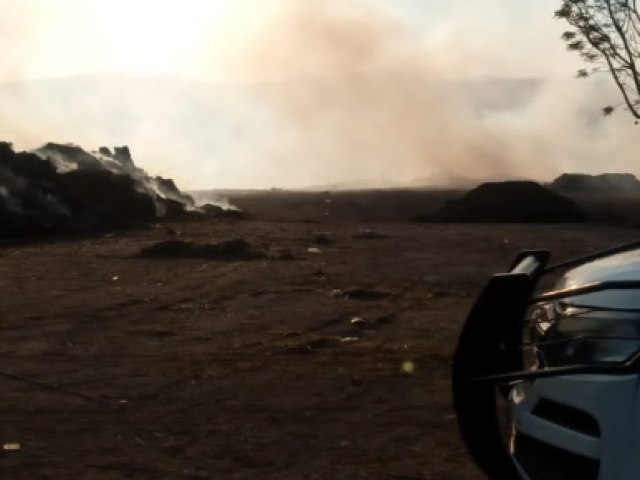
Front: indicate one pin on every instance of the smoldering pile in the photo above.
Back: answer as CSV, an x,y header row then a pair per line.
x,y
64,189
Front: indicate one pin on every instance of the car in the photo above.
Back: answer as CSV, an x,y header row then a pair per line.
x,y
546,381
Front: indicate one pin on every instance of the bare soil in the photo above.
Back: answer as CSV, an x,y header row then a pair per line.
x,y
115,366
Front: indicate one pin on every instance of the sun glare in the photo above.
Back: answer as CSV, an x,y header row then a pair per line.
x,y
146,37
160,37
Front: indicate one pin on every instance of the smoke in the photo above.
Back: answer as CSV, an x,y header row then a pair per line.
x,y
356,99
345,93
355,96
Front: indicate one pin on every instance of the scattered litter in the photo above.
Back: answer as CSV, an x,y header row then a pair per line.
x,y
11,446
115,278
358,322
336,292
314,250
348,339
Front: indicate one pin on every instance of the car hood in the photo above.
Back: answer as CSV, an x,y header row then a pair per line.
x,y
618,267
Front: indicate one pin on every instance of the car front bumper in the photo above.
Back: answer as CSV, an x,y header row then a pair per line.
x,y
584,427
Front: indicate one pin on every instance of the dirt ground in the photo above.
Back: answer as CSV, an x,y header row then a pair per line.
x,y
115,366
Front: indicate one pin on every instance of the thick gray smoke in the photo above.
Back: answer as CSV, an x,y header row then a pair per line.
x,y
337,93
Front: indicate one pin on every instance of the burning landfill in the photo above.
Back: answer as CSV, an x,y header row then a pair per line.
x,y
61,188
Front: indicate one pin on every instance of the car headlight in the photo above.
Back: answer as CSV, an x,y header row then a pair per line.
x,y
568,332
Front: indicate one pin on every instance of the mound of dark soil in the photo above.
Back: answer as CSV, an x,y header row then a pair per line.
x,y
606,184
511,202
230,250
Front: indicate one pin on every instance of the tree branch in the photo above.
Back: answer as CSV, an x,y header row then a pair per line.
x,y
632,64
622,89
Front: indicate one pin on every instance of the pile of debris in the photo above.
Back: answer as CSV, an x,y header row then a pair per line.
x,y
511,202
64,189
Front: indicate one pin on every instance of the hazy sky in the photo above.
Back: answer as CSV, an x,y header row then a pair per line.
x,y
48,38
261,93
